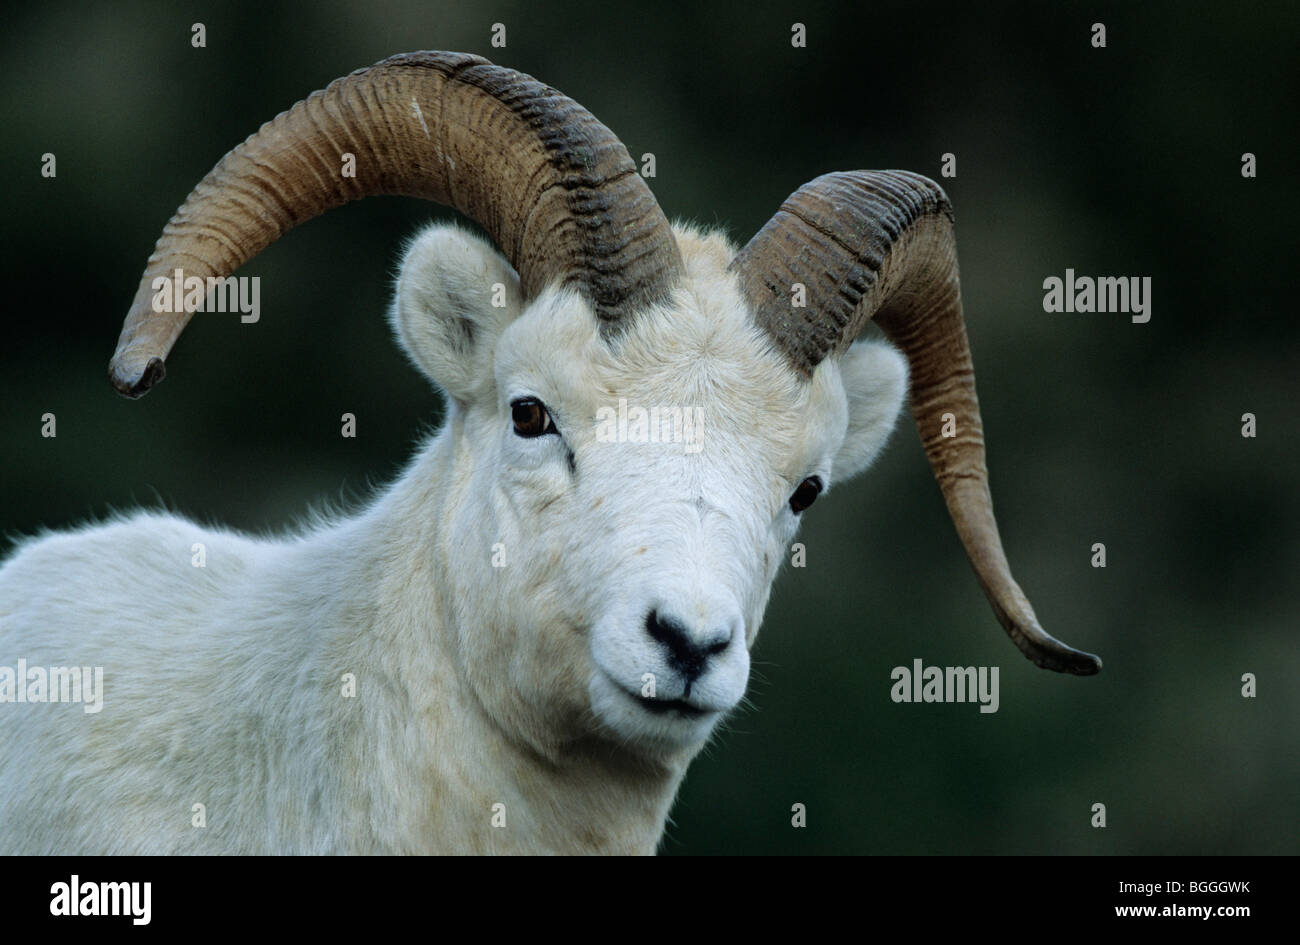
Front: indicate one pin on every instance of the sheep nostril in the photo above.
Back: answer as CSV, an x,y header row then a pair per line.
x,y
686,654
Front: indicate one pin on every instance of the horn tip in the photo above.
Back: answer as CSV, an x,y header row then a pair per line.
x,y
1083,664
1064,659
132,380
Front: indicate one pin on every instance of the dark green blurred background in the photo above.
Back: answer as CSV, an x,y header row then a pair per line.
x,y
1118,161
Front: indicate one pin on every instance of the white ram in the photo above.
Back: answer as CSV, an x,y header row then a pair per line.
x,y
521,643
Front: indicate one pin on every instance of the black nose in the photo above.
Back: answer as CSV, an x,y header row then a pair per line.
x,y
687,653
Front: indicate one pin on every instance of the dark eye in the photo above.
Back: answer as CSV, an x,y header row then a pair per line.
x,y
806,494
530,417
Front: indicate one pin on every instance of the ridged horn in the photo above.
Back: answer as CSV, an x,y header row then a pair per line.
x,y
551,185
878,245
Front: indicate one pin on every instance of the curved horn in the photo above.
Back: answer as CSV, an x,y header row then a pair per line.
x,y
554,188
879,245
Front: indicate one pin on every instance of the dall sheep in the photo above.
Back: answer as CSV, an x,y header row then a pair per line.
x,y
548,701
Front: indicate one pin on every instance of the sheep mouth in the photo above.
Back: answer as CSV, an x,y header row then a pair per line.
x,y
674,713
667,706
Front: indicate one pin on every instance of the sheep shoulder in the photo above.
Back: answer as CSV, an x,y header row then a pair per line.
x,y
210,694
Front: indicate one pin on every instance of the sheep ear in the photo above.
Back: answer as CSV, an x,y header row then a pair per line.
x,y
455,294
874,374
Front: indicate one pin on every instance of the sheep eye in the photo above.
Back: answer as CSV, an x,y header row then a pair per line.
x,y
806,494
531,418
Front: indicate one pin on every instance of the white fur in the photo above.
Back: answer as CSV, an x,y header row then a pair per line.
x,y
476,685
